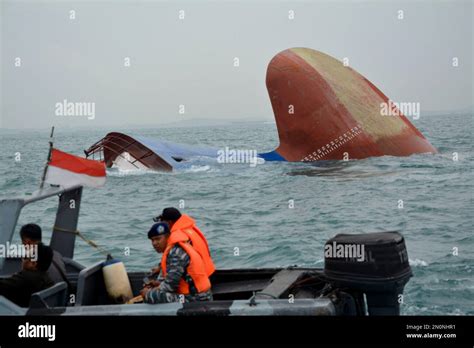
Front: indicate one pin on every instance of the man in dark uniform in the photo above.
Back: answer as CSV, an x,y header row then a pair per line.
x,y
32,278
31,234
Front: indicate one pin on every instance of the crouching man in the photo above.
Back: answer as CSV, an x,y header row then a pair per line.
x,y
183,275
33,277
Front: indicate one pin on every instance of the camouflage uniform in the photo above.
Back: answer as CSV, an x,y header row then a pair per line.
x,y
176,264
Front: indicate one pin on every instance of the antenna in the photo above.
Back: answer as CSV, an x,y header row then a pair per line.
x,y
49,158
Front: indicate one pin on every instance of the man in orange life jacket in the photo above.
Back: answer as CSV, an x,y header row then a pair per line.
x,y
184,223
183,276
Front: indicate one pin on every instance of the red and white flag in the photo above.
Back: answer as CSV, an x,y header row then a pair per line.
x,y
68,170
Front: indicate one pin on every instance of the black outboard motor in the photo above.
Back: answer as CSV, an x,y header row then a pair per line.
x,y
375,264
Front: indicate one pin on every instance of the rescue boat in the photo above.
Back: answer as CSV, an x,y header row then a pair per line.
x,y
347,285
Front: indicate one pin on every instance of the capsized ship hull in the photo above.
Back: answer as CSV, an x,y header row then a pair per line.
x,y
327,111
323,111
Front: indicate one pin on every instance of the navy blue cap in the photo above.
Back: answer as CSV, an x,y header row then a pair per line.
x,y
158,229
168,214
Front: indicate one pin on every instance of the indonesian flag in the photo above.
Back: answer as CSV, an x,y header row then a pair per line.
x,y
68,170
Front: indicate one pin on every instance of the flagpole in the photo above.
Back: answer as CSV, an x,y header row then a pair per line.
x,y
49,158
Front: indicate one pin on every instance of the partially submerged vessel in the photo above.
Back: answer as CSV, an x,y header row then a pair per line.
x,y
347,285
132,153
324,110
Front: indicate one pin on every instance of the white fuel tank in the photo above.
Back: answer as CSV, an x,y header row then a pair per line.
x,y
116,281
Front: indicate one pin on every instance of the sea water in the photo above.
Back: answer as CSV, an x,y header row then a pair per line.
x,y
276,214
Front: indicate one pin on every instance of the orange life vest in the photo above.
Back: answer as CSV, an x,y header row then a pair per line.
x,y
187,225
195,268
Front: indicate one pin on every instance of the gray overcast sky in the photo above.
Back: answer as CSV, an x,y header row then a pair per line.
x,y
190,61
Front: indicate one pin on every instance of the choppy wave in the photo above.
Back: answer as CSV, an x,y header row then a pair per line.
x,y
116,172
418,263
